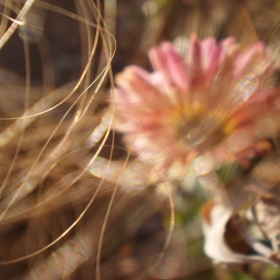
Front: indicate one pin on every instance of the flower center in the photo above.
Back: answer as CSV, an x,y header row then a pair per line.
x,y
198,127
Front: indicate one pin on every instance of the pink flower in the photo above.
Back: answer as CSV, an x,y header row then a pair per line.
x,y
201,110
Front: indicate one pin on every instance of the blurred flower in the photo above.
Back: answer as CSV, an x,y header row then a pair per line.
x,y
226,241
200,110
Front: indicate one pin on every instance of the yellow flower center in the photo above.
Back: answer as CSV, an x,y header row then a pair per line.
x,y
199,127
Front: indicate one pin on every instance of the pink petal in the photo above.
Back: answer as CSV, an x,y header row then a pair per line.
x,y
194,63
176,66
247,57
209,59
136,81
224,48
158,60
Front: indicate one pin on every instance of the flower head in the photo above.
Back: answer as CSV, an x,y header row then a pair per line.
x,y
193,109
